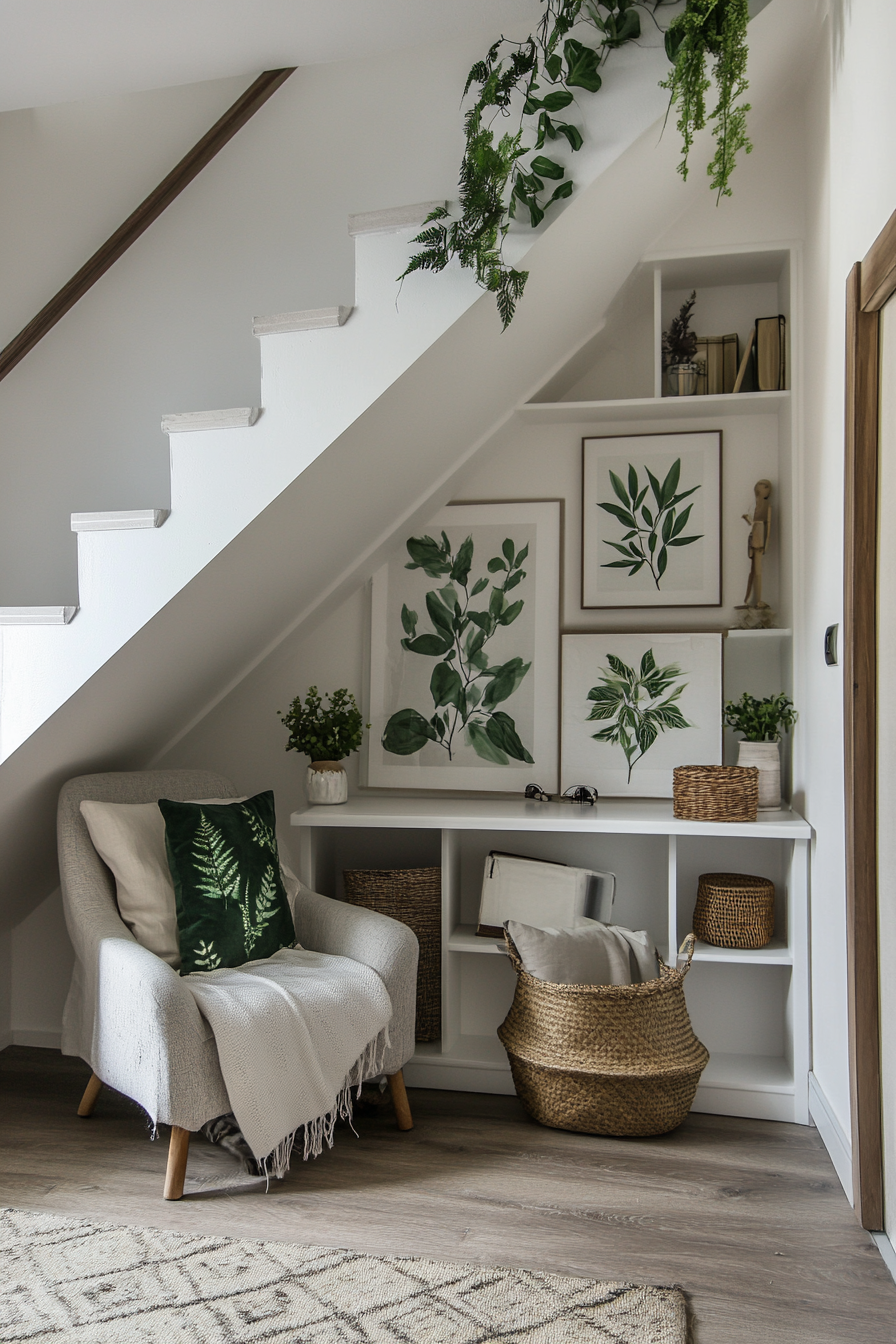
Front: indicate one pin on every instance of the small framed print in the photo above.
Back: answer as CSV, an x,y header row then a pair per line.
x,y
464,677
651,520
636,706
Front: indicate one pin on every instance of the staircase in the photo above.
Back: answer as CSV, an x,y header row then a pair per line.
x,y
378,409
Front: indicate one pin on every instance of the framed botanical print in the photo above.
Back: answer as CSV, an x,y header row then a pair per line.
x,y
651,520
463,654
636,706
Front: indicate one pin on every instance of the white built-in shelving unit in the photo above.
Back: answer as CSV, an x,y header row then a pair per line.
x,y
749,1008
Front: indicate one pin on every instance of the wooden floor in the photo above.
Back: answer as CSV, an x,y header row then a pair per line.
x,y
746,1215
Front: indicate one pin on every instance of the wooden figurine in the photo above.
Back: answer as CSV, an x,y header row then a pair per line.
x,y
760,533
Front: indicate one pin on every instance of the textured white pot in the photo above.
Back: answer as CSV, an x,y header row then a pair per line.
x,y
766,756
326,782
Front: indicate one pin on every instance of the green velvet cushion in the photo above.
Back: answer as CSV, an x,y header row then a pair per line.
x,y
231,904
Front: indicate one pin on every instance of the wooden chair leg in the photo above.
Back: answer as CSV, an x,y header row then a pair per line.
x,y
400,1100
177,1162
91,1092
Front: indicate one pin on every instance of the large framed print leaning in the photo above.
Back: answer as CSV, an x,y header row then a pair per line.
x,y
463,652
651,520
635,706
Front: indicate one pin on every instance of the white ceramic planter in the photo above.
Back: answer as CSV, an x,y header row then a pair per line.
x,y
326,782
766,756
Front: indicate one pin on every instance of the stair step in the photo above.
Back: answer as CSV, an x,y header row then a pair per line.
x,y
186,422
119,521
36,615
307,319
391,221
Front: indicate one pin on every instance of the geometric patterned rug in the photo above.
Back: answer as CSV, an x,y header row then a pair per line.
x,y
64,1279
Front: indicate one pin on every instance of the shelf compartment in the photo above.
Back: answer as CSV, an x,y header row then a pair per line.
x,y
464,938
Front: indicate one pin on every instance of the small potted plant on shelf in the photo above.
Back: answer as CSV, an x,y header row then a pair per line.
x,y
326,734
761,722
679,349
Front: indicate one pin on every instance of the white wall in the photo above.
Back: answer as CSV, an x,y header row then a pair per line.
x,y
263,229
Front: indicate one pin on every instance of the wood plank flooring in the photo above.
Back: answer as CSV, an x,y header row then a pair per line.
x,y
748,1216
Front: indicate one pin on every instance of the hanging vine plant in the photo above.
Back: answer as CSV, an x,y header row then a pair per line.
x,y
535,80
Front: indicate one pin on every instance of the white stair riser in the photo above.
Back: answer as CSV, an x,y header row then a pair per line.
x,y
129,521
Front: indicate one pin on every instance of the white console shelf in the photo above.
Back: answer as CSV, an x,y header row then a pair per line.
x,y
751,1009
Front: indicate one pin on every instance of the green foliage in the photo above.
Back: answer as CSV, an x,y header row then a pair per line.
x,y
531,82
718,29
761,720
324,733
217,867
466,690
635,704
650,529
679,342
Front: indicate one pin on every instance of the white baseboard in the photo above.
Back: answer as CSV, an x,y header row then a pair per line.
x,y
48,1040
887,1253
833,1136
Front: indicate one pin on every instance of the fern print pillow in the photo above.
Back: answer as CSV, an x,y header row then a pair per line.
x,y
231,902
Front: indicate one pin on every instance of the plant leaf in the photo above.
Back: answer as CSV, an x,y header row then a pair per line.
x,y
482,744
619,489
581,66
408,621
446,686
501,729
504,681
546,167
406,732
431,646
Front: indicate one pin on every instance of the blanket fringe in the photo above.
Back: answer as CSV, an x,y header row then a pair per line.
x,y
320,1131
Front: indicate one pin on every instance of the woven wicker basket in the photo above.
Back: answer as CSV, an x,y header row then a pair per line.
x,y
604,1059
413,896
734,910
715,792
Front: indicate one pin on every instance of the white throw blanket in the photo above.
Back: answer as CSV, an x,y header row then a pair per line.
x,y
294,1033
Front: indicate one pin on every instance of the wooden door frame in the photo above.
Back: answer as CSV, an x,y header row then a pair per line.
x,y
871,283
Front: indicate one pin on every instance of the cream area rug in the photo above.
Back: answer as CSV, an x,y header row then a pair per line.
x,y
63,1279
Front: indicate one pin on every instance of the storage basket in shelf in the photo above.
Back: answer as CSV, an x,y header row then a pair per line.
x,y
604,1059
413,896
715,792
734,910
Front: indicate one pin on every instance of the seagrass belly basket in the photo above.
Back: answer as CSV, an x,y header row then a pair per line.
x,y
604,1059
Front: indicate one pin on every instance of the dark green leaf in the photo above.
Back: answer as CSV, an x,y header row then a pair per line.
x,y
655,487
431,646
662,561
406,732
496,603
681,522
670,484
632,482
505,680
480,618
621,670
619,489
482,744
460,570
685,541
478,587
520,556
668,523
559,193
427,555
446,686
509,614
555,101
581,66
495,565
508,550
408,621
547,168
441,617
514,580
553,65
647,516
648,663
501,729
622,514
572,133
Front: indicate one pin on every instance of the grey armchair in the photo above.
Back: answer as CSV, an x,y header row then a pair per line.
x,y
130,1015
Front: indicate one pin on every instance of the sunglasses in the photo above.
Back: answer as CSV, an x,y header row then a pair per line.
x,y
576,793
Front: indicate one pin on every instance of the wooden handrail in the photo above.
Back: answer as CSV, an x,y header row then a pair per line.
x,y
156,202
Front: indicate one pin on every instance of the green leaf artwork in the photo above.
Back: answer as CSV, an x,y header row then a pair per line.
x,y
651,527
639,705
468,691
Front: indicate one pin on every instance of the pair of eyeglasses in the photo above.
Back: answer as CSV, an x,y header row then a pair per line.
x,y
576,793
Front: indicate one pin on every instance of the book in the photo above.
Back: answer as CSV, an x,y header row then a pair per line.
x,y
742,371
542,893
770,354
718,358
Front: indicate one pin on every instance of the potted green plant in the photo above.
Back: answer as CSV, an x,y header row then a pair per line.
x,y
761,722
326,734
679,349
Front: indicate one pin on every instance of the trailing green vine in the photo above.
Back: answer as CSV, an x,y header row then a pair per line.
x,y
532,82
716,28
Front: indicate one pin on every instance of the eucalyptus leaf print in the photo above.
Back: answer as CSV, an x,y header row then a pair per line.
x,y
638,705
463,615
652,520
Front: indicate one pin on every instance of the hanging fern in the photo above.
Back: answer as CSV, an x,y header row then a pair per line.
x,y
716,28
534,80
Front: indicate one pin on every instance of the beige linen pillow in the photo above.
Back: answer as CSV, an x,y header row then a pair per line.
x,y
130,839
590,953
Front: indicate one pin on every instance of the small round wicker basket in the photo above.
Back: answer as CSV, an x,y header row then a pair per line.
x,y
604,1059
734,910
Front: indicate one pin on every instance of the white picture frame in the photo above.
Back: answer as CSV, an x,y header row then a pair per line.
x,y
517,709
673,555
593,683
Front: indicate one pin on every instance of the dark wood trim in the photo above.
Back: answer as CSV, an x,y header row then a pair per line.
x,y
156,202
860,562
878,280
